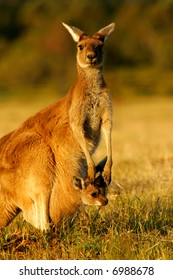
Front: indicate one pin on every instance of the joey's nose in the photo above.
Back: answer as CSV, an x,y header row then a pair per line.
x,y
105,201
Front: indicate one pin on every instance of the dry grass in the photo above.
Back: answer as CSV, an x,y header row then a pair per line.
x,y
138,221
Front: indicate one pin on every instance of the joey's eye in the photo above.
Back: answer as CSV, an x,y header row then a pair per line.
x,y
94,194
81,47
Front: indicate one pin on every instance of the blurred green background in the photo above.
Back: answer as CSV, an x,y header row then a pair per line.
x,y
37,55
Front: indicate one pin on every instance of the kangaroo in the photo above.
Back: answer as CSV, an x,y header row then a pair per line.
x,y
67,200
91,98
38,161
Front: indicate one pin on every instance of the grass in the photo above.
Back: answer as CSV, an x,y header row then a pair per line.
x,y
138,221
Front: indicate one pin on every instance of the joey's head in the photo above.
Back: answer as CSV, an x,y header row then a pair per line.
x,y
90,49
90,194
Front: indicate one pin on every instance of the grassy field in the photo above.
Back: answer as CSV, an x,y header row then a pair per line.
x,y
138,221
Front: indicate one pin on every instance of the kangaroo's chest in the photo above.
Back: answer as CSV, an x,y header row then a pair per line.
x,y
92,117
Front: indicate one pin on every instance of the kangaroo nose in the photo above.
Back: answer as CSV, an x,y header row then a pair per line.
x,y
106,201
91,56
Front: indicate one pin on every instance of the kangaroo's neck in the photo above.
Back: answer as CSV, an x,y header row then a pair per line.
x,y
90,77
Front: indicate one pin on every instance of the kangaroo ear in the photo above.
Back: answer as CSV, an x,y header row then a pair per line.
x,y
78,183
100,166
75,32
103,33
99,181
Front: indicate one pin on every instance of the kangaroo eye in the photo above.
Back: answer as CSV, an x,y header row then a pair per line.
x,y
81,47
94,194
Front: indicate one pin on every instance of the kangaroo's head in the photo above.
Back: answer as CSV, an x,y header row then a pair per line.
x,y
90,194
90,49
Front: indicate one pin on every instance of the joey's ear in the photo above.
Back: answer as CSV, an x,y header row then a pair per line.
x,y
103,33
99,181
100,166
75,32
78,183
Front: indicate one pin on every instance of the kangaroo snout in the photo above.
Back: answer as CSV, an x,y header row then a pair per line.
x,y
91,57
104,200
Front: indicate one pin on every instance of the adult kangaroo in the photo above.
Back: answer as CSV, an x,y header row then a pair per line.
x,y
91,107
39,160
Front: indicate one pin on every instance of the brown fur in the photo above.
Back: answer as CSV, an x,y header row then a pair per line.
x,y
91,98
39,160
